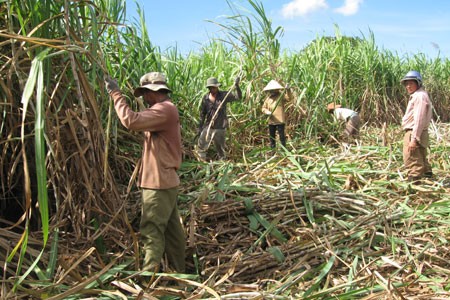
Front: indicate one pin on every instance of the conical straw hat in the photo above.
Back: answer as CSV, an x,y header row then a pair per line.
x,y
273,85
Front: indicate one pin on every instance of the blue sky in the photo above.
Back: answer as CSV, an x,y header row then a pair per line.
x,y
401,26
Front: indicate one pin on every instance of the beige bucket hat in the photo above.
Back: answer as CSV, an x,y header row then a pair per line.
x,y
273,85
212,81
153,81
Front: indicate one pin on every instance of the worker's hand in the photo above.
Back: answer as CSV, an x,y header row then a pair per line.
x,y
237,80
413,145
111,85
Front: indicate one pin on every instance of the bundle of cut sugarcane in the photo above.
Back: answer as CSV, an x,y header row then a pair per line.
x,y
259,236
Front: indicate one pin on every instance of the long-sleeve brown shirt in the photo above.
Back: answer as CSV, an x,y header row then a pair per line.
x,y
161,155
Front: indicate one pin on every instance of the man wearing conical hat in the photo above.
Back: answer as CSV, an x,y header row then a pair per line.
x,y
274,107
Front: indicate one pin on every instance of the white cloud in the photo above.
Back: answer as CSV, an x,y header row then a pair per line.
x,y
349,8
302,7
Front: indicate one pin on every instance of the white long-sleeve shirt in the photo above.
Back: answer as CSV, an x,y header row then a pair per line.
x,y
418,113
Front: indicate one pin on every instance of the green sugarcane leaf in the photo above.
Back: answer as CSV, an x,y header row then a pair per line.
x,y
276,252
325,269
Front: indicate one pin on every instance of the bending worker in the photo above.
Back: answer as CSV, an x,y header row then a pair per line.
x,y
350,117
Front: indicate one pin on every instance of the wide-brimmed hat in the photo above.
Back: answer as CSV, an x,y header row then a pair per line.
x,y
153,81
212,81
333,105
273,85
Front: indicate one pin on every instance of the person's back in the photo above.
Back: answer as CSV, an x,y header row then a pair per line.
x,y
343,114
350,117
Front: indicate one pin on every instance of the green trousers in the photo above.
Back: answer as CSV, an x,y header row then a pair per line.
x,y
161,229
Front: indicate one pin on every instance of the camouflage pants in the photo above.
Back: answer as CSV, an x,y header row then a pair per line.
x,y
216,136
161,229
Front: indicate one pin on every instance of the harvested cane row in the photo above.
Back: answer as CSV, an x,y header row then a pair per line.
x,y
269,236
364,242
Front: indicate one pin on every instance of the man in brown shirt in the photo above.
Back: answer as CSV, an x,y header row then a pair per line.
x,y
415,124
160,227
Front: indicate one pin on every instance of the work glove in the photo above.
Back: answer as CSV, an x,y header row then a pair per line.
x,y
237,80
111,85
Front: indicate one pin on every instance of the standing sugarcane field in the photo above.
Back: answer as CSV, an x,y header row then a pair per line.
x,y
310,210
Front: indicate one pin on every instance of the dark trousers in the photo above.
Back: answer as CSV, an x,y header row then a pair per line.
x,y
272,130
